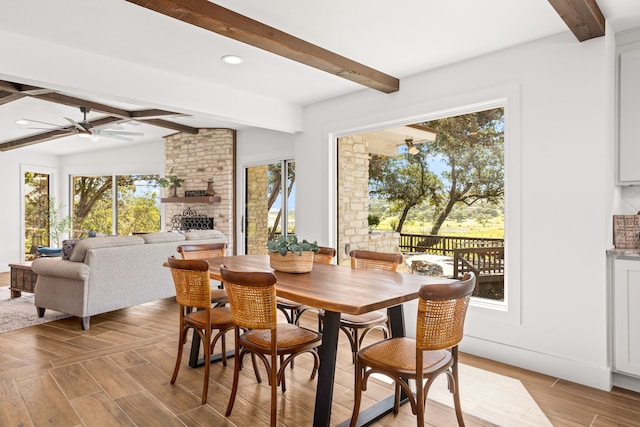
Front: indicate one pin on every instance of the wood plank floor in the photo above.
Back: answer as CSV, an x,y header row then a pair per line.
x,y
117,374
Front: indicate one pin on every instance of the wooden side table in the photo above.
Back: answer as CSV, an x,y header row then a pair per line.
x,y
23,279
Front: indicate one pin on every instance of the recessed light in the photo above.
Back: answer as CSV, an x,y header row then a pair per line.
x,y
232,59
22,122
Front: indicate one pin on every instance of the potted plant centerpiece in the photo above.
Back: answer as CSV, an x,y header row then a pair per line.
x,y
289,255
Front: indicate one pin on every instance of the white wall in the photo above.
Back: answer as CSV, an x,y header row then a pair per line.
x,y
559,187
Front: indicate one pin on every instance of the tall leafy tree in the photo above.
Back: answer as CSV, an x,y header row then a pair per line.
x,y
405,181
469,148
274,187
472,148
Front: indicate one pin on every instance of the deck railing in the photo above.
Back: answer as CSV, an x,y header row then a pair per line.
x,y
443,245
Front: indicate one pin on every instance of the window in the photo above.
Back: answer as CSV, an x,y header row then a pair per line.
x,y
435,190
131,206
36,212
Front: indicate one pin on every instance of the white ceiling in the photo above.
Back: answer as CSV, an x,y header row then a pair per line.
x,y
121,54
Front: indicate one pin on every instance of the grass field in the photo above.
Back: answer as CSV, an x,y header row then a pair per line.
x,y
469,228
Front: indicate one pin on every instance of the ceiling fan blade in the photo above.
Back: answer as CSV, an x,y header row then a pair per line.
x,y
112,126
116,132
77,125
44,123
121,138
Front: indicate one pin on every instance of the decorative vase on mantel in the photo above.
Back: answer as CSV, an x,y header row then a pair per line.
x,y
210,191
174,189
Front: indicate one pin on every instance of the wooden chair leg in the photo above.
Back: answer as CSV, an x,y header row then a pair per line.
x,y
236,372
358,394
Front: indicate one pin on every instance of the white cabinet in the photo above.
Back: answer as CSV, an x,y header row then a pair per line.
x,y
626,316
629,118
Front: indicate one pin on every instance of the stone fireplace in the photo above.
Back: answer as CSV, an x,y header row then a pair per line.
x,y
199,158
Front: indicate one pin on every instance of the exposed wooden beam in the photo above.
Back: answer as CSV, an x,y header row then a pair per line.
x,y
583,17
102,108
10,91
5,98
34,139
21,88
220,20
170,125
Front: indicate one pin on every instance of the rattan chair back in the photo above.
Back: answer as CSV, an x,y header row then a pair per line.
x,y
202,251
325,255
442,309
252,298
372,260
192,283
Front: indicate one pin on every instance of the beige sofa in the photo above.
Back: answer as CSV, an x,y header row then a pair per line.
x,y
108,273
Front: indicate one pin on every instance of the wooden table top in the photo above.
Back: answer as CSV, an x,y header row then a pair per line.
x,y
333,287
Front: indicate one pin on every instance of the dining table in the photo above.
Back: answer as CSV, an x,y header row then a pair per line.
x,y
338,289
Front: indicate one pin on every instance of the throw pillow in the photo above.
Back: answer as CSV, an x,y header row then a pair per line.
x,y
67,247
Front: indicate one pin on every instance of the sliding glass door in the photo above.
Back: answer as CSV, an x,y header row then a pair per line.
x,y
36,212
269,204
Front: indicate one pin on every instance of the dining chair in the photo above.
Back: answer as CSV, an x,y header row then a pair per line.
x,y
352,324
203,251
292,309
193,294
442,309
252,299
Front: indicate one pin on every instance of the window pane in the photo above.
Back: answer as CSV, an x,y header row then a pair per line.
x,y
138,209
434,190
291,200
92,205
36,207
264,208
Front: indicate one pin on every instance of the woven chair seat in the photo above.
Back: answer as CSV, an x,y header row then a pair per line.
x,y
372,317
220,317
219,296
287,303
289,335
400,354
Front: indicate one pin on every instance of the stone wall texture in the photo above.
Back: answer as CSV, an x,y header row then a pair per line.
x,y
198,158
257,232
353,202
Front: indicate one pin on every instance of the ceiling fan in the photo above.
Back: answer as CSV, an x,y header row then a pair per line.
x,y
85,128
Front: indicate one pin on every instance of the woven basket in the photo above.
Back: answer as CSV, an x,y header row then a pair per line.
x,y
291,262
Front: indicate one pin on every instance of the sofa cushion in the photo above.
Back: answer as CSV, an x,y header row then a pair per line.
x,y
203,234
82,247
161,237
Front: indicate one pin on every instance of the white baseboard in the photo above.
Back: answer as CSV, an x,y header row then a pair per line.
x,y
626,382
590,375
